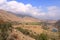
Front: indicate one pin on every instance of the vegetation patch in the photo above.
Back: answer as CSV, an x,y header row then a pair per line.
x,y
5,30
37,37
24,31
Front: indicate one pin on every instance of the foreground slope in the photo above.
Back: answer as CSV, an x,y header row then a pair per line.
x,y
15,35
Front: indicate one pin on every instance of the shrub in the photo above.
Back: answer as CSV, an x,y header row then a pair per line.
x,y
5,29
24,31
42,37
57,25
35,36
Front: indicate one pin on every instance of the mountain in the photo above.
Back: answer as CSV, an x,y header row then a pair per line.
x,y
12,17
6,16
28,18
9,16
15,35
25,32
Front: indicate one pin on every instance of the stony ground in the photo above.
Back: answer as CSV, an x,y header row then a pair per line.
x,y
16,35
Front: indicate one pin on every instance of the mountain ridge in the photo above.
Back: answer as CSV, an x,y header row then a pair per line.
x,y
8,16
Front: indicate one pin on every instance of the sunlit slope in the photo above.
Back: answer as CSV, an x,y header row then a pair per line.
x,y
6,16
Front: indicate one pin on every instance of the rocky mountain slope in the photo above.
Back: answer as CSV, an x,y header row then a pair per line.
x,y
37,29
8,16
15,35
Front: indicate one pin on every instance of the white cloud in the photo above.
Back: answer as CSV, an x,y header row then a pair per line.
x,y
2,1
53,11
18,7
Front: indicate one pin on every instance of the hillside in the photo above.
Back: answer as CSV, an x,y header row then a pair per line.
x,y
9,16
28,27
17,35
6,16
6,27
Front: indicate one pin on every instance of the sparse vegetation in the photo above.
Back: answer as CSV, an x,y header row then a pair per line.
x,y
43,24
34,29
33,23
5,30
42,37
37,37
24,31
57,25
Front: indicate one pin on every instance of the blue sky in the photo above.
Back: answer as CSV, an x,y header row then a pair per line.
x,y
45,9
41,2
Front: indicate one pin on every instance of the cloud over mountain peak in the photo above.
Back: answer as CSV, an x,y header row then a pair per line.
x,y
52,12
